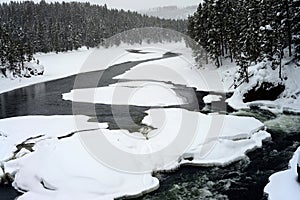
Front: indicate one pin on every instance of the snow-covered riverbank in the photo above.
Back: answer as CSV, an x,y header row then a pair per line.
x,y
287,101
56,66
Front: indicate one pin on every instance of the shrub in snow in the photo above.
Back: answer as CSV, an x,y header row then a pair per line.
x,y
28,69
34,69
2,71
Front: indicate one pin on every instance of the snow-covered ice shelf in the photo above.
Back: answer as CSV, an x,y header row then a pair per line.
x,y
284,185
214,139
63,168
128,93
18,129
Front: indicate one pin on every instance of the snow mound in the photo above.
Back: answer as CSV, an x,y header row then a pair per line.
x,y
63,169
284,185
35,128
211,98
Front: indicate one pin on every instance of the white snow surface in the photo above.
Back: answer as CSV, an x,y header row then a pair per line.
x,y
152,82
128,93
211,98
284,184
178,70
215,139
18,129
56,66
65,169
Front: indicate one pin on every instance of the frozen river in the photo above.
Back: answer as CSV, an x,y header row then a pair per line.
x,y
244,179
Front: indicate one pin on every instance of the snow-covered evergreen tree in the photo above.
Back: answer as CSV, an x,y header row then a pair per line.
x,y
247,31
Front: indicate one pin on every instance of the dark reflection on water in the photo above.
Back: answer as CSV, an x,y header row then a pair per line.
x,y
39,99
8,193
46,99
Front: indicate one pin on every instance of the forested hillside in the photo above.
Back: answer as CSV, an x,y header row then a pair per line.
x,y
171,12
247,32
28,27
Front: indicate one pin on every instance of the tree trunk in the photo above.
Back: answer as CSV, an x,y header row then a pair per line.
x,y
280,65
221,61
246,74
230,52
288,26
217,62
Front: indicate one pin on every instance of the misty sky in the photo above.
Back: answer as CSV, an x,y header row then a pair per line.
x,y
135,4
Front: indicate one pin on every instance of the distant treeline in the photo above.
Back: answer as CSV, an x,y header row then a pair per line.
x,y
28,27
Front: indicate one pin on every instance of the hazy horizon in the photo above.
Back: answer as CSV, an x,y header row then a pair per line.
x,y
132,4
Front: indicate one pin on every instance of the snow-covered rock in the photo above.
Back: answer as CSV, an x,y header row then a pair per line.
x,y
284,185
1,174
211,98
262,73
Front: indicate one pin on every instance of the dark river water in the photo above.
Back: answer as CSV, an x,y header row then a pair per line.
x,y
244,179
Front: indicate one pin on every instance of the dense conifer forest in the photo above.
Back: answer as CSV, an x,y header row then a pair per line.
x,y
247,32
28,27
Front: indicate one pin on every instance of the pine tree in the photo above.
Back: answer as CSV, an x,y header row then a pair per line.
x,y
67,26
296,27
